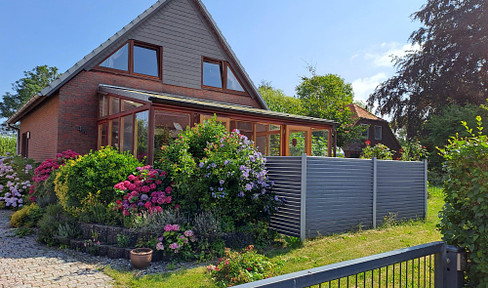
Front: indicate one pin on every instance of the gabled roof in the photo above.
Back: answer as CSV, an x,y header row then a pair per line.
x,y
84,63
186,101
359,112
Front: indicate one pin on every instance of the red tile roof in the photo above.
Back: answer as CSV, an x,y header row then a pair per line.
x,y
362,113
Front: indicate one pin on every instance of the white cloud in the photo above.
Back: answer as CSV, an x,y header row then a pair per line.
x,y
363,87
387,51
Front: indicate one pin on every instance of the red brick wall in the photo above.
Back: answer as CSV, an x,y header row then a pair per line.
x,y
78,104
42,124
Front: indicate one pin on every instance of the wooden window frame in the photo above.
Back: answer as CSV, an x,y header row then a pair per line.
x,y
224,66
132,43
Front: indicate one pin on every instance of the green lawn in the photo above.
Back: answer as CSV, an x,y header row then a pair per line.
x,y
313,253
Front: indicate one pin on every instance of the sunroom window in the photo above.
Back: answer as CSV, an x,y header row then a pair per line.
x,y
135,58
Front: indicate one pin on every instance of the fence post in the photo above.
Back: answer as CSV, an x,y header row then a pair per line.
x,y
303,199
374,191
449,267
425,187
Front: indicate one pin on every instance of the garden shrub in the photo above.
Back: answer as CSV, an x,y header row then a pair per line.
x,y
151,223
465,213
96,171
146,190
27,217
413,151
175,240
15,175
42,190
8,145
216,170
238,268
380,151
49,224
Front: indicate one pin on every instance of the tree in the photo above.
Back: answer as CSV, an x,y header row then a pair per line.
x,y
33,82
440,127
450,67
278,101
326,97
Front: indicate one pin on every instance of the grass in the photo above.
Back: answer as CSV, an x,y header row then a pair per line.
x,y
313,253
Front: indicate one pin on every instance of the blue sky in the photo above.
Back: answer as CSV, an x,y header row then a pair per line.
x,y
274,40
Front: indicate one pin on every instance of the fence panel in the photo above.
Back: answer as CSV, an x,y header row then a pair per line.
x,y
285,172
339,195
401,190
333,195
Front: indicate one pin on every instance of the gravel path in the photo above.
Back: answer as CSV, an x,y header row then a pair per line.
x,y
25,263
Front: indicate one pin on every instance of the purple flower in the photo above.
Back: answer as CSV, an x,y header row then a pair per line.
x,y
211,189
28,167
188,233
144,197
248,186
201,164
252,158
241,194
159,246
221,189
243,167
213,195
221,182
226,162
213,165
174,246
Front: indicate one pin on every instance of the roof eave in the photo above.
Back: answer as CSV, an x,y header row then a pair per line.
x,y
26,108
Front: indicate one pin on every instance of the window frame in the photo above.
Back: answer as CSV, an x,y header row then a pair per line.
x,y
366,131
132,43
224,66
380,136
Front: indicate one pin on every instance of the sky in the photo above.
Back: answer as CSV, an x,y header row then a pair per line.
x,y
275,40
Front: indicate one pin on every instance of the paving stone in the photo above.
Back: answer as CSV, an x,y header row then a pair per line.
x,y
25,263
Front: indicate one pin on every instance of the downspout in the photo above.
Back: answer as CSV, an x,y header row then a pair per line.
x,y
335,140
18,137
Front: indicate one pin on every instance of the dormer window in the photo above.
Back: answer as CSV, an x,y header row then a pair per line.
x,y
135,58
218,74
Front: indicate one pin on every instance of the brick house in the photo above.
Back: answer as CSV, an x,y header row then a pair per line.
x,y
168,69
377,131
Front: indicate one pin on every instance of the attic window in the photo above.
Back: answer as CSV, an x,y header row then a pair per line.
x,y
218,74
135,58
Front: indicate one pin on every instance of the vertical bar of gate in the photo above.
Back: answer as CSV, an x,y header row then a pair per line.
x,y
440,267
425,188
374,191
303,199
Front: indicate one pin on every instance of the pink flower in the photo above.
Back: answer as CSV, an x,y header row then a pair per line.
x,y
153,186
125,212
168,189
158,182
158,209
174,246
160,246
131,177
168,199
145,189
188,233
148,205
134,194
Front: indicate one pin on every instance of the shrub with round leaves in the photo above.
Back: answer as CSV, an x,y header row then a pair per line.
x,y
465,213
96,171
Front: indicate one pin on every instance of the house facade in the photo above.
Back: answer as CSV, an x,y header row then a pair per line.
x,y
376,131
167,70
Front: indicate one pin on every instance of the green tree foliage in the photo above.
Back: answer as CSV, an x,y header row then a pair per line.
x,y
465,214
451,66
278,101
379,151
33,82
326,97
440,127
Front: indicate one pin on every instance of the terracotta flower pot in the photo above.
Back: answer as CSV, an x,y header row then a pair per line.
x,y
140,258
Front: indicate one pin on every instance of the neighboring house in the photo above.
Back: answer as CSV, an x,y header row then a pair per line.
x,y
377,131
168,69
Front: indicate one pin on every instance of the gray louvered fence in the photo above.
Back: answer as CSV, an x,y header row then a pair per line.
x,y
334,195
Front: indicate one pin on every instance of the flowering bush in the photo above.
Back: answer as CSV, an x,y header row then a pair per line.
x,y
380,151
96,171
42,190
15,174
147,189
174,240
227,174
238,268
413,151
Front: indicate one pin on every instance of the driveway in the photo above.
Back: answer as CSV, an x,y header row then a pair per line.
x,y
25,263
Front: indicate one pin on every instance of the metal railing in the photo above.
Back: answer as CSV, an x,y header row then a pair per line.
x,y
429,265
